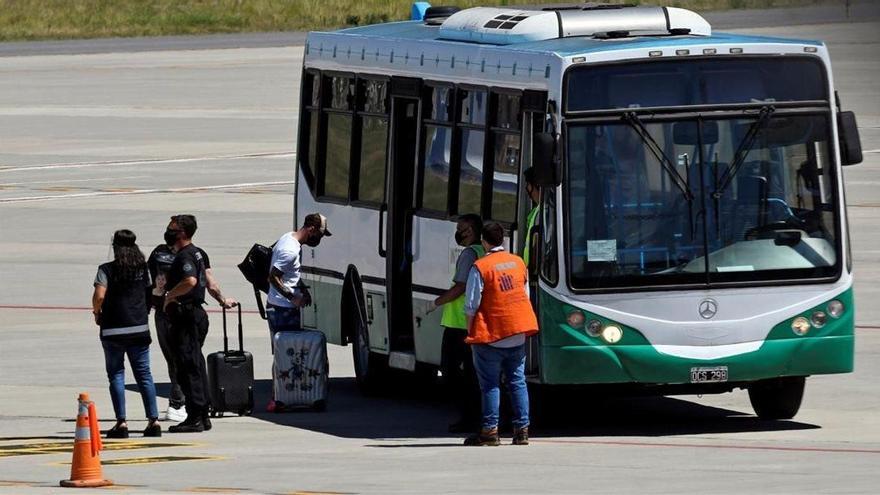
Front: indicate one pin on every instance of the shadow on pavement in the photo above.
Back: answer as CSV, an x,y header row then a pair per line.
x,y
421,412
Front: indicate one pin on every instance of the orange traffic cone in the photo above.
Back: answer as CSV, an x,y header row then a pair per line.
x,y
85,471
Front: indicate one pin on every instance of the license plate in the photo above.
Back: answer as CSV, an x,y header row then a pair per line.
x,y
709,375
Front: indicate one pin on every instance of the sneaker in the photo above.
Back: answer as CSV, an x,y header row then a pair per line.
x,y
192,424
118,432
206,422
175,413
521,436
153,430
483,438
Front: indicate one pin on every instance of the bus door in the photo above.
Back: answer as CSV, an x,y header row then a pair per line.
x,y
402,160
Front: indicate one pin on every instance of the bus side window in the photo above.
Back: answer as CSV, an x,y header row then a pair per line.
x,y
372,108
505,158
472,125
436,159
310,105
338,109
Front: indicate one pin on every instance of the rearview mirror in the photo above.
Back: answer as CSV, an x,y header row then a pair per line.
x,y
848,137
547,170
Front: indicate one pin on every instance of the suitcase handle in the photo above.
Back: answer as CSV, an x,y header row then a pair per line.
x,y
240,331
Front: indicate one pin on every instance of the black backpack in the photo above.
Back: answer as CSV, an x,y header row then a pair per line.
x,y
255,268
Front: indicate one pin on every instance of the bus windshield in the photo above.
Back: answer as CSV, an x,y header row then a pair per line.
x,y
759,203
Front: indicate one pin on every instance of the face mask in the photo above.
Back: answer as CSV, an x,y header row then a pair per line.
x,y
170,237
459,238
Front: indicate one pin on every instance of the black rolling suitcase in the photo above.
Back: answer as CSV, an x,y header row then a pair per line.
x,y
231,376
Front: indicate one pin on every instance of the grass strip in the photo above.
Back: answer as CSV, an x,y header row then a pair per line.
x,y
70,19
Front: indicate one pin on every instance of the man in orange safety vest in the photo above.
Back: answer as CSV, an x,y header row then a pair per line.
x,y
500,317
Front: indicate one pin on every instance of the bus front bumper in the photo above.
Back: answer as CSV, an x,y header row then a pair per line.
x,y
644,364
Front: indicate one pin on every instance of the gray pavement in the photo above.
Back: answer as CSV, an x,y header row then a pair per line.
x,y
96,142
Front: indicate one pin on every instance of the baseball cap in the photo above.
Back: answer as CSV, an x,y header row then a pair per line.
x,y
319,221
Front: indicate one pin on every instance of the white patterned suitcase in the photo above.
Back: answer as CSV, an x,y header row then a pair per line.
x,y
301,370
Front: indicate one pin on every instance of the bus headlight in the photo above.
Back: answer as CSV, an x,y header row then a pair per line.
x,y
818,319
612,334
800,325
594,328
835,308
576,319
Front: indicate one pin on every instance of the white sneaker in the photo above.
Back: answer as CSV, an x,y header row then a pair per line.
x,y
176,413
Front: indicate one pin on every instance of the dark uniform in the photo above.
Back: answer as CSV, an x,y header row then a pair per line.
x,y
159,262
189,326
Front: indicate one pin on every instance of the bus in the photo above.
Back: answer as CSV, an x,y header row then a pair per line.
x,y
692,235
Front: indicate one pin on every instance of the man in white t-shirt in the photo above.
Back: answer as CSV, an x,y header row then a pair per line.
x,y
287,293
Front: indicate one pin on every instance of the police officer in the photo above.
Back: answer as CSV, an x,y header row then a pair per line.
x,y
159,264
187,277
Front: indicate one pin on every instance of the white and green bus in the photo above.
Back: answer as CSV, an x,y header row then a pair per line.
x,y
692,235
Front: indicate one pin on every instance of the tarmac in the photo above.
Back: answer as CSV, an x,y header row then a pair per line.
x,y
93,142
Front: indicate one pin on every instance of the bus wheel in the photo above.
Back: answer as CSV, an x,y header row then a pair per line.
x,y
370,368
777,398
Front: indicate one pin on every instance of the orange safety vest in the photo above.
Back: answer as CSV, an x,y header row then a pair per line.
x,y
504,309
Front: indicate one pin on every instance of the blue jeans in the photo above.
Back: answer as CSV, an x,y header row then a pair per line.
x,y
490,362
282,319
139,359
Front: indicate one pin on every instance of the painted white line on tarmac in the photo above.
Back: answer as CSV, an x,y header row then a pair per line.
x,y
873,151
240,185
146,112
157,161
65,181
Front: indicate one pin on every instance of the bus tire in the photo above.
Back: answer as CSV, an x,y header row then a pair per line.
x,y
370,368
777,398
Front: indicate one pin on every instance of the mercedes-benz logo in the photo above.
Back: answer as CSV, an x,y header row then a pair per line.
x,y
708,308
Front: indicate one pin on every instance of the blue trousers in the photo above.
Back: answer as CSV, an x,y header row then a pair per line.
x,y
490,362
139,359
282,319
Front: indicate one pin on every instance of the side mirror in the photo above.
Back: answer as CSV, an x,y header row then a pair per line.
x,y
548,172
848,138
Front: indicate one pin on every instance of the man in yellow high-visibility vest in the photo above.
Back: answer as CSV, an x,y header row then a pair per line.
x,y
456,362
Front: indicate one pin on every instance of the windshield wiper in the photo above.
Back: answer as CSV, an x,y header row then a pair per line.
x,y
745,146
633,120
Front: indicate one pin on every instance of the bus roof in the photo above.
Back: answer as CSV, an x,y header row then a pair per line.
x,y
563,47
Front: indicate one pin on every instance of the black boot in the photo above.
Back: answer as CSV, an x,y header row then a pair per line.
x,y
192,424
